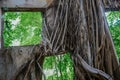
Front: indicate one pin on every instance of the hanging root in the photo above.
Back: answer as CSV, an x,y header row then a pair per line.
x,y
80,27
91,70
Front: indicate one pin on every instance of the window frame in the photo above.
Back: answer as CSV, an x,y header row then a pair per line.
x,y
6,6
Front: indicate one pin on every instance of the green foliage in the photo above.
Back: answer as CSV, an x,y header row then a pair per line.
x,y
61,65
24,27
114,24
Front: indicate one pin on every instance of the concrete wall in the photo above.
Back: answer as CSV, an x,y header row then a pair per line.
x,y
25,3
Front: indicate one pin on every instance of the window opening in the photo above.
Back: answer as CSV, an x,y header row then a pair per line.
x,y
113,18
22,28
58,67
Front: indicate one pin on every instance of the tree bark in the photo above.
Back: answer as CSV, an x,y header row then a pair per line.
x,y
1,28
75,26
86,37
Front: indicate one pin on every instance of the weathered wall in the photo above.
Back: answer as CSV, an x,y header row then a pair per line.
x,y
13,59
0,27
45,3
20,5
25,3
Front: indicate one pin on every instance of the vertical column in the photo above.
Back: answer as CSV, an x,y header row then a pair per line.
x,y
1,29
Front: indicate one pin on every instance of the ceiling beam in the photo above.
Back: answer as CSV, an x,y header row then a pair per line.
x,y
24,5
40,5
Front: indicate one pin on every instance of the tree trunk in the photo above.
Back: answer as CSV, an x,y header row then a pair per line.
x,y
80,27
76,26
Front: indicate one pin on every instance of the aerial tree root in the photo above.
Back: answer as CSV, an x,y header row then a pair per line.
x,y
75,26
80,27
90,71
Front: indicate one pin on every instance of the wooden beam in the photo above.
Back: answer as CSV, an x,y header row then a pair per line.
x,y
25,10
1,28
24,4
40,5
